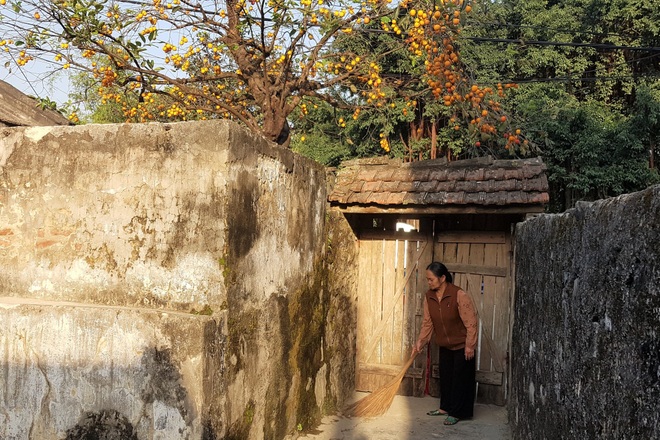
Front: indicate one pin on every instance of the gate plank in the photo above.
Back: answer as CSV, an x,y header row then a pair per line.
x,y
390,370
389,301
471,237
364,286
398,317
489,377
490,307
377,295
375,334
483,270
503,298
480,258
365,291
420,256
448,253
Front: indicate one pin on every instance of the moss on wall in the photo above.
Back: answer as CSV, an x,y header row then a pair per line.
x,y
308,315
241,429
341,321
302,320
243,326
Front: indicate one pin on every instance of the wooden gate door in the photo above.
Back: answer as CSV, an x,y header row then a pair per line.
x,y
481,265
392,282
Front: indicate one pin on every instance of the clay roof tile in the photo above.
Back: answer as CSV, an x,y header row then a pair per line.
x,y
414,198
458,174
402,175
384,174
372,186
475,175
395,198
379,198
473,181
390,186
439,175
446,186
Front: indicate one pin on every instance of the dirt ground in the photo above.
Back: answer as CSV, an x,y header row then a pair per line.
x,y
407,420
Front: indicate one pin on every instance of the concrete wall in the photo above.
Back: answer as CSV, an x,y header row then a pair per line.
x,y
586,348
164,280
341,329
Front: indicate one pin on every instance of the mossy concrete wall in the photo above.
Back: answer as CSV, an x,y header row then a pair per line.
x,y
163,281
585,355
341,328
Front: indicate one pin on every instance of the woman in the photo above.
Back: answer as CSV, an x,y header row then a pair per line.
x,y
450,314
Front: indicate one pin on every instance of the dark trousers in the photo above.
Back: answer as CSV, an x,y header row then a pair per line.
x,y
457,384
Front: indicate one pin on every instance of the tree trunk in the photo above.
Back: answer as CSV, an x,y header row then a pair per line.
x,y
275,125
652,156
434,140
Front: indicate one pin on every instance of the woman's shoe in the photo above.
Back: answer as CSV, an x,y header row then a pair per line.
x,y
451,420
436,412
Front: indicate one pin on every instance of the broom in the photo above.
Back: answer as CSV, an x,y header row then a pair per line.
x,y
379,401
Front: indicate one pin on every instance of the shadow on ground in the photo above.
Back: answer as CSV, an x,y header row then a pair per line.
x,y
407,420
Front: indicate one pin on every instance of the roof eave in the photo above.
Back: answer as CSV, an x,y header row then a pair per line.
x,y
439,209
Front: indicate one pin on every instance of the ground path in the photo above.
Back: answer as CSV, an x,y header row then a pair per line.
x,y
407,420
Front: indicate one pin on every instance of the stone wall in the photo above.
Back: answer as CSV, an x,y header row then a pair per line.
x,y
163,281
586,348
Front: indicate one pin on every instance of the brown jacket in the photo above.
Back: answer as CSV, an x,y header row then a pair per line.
x,y
453,319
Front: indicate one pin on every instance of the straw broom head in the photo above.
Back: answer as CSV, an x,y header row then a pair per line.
x,y
379,401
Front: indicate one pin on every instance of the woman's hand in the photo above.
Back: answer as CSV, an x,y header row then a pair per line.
x,y
469,353
415,350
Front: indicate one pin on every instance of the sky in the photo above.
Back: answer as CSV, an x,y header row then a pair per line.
x,y
39,80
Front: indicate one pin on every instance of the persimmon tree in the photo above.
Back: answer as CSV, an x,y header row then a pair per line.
x,y
436,112
254,61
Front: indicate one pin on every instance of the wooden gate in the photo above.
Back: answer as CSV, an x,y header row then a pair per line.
x,y
392,282
481,265
391,287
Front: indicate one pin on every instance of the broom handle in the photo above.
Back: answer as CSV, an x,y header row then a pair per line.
x,y
404,370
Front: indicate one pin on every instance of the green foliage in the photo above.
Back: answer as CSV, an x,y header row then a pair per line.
x,y
592,112
319,135
591,153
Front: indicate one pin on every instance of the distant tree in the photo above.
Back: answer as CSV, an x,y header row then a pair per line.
x,y
645,120
590,107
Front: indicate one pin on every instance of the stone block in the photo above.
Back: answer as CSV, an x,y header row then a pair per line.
x,y
72,369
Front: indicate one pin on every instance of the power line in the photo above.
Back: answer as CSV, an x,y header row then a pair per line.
x,y
524,42
547,28
579,79
559,43
626,63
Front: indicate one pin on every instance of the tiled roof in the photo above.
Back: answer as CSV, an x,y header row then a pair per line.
x,y
18,109
476,182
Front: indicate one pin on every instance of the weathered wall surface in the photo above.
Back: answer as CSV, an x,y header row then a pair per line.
x,y
73,370
586,348
115,214
186,256
341,326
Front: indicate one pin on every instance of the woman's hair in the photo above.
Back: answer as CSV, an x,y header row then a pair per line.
x,y
439,270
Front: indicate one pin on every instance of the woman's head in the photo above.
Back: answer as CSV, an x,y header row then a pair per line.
x,y
439,270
